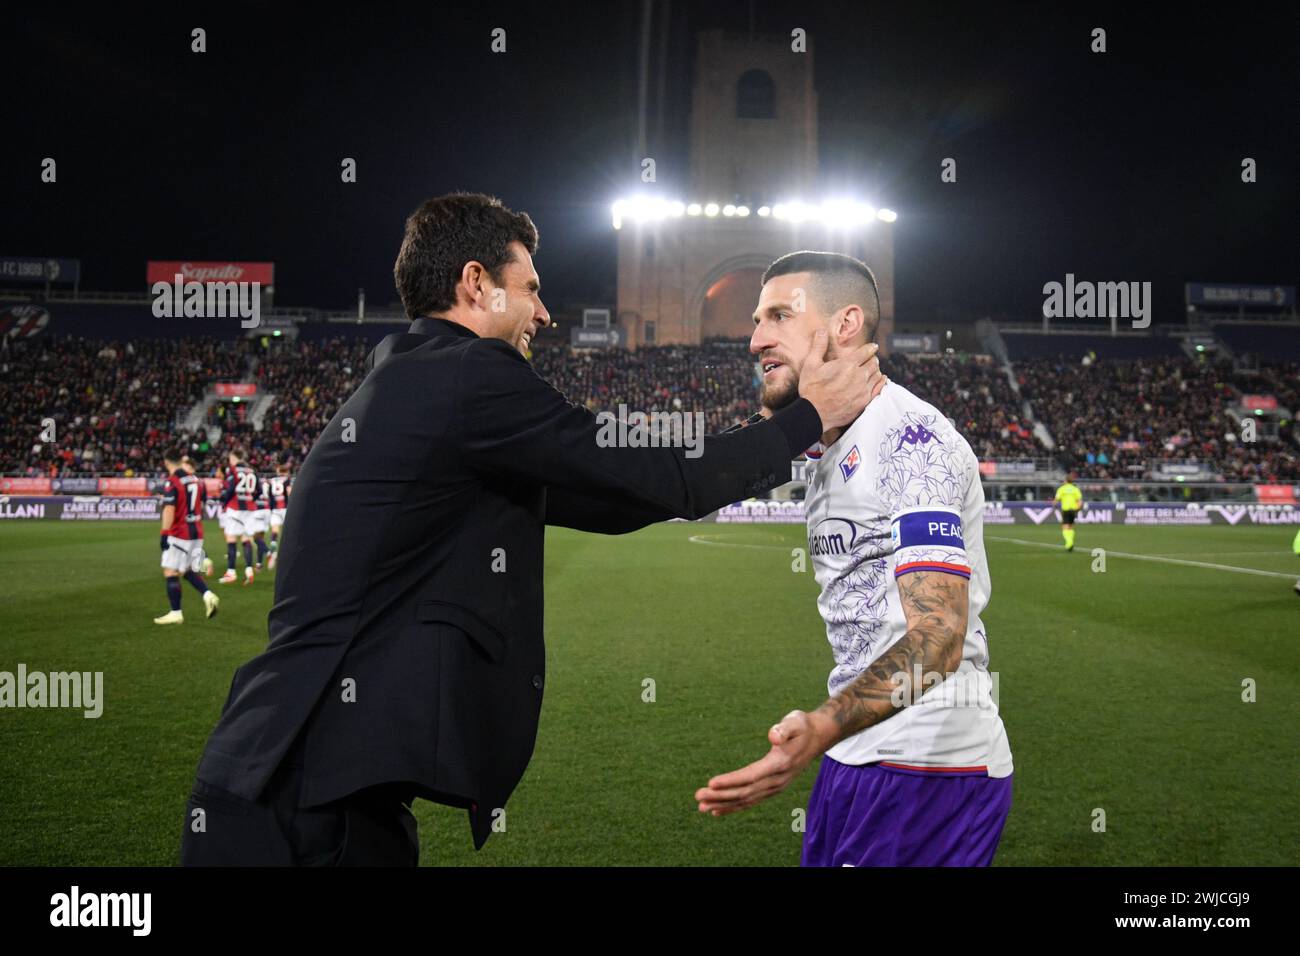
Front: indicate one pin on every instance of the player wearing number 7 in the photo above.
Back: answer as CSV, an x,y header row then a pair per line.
x,y
182,538
916,768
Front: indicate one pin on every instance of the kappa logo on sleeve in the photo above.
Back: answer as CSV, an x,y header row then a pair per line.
x,y
916,435
849,463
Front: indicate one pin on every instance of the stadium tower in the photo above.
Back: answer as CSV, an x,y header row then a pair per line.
x,y
689,265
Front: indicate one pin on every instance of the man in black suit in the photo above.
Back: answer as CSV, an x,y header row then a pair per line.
x,y
405,655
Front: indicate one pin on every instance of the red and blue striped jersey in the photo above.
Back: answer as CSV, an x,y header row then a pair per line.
x,y
242,488
185,493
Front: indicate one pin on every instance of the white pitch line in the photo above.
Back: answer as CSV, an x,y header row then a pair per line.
x,y
703,539
1156,558
1271,553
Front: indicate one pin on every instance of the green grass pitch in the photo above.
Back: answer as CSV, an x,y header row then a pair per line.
x,y
1120,690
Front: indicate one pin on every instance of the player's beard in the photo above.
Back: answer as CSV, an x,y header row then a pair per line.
x,y
777,396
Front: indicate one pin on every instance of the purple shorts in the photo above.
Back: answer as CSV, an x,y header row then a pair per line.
x,y
875,815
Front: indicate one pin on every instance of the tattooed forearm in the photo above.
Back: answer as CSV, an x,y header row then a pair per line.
x,y
936,608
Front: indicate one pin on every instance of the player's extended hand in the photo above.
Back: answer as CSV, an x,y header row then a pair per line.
x,y
795,744
840,388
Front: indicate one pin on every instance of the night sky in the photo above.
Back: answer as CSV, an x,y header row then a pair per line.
x,y
1115,166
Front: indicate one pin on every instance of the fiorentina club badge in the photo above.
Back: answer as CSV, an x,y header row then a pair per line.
x,y
849,463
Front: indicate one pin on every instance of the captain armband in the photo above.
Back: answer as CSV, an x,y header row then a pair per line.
x,y
929,539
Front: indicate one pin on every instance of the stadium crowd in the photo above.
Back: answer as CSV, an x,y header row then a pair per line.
x,y
716,378
977,396
116,404
720,379
1110,418
310,380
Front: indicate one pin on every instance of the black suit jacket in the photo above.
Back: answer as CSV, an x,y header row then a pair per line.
x,y
406,633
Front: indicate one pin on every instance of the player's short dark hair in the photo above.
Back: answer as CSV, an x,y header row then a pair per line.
x,y
445,233
839,281
238,452
173,454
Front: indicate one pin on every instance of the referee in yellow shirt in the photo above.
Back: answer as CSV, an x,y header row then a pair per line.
x,y
1071,500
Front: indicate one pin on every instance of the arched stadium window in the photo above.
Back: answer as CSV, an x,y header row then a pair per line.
x,y
755,96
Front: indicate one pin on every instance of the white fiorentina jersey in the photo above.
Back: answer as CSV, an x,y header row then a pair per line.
x,y
900,492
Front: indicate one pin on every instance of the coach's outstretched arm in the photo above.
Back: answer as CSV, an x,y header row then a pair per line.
x,y
936,606
602,515
513,424
599,514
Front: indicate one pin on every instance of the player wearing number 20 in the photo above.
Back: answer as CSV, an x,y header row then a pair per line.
x,y
182,538
239,499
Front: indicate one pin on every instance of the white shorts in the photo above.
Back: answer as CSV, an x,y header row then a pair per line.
x,y
237,524
182,555
261,520
277,516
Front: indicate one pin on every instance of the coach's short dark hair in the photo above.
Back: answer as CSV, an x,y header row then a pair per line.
x,y
838,281
444,234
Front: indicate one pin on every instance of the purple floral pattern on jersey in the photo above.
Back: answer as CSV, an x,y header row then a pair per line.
x,y
854,607
921,462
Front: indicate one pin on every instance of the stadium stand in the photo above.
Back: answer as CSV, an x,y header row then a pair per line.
x,y
977,396
310,380
1114,407
717,378
1111,418
114,403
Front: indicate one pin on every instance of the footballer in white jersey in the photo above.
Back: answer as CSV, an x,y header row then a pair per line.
x,y
916,768
899,493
